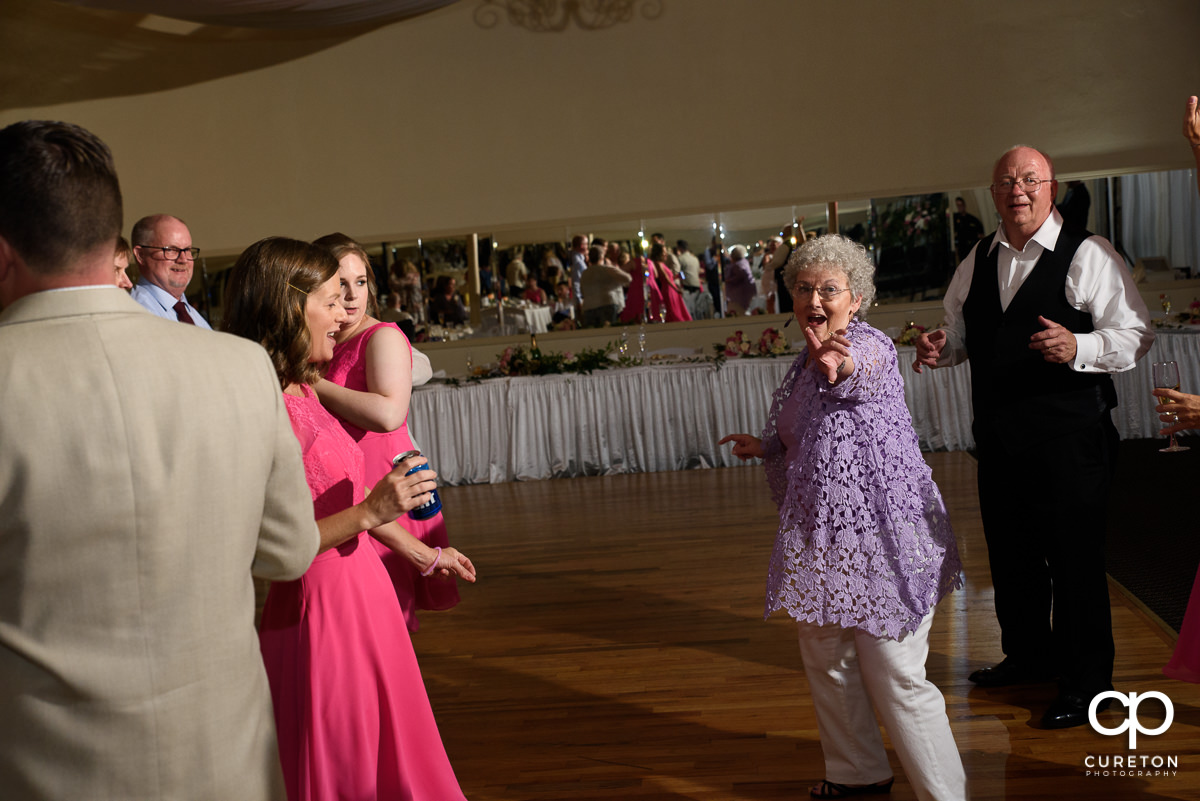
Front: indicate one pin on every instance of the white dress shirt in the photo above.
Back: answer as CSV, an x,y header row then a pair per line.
x,y
1098,283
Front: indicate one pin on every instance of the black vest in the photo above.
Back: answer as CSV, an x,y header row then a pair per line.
x,y
1018,397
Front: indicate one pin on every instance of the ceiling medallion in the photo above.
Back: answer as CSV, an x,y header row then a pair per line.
x,y
544,16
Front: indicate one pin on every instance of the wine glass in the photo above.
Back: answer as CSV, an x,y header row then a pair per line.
x,y
470,364
1166,376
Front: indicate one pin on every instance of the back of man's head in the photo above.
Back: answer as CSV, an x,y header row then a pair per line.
x,y
59,194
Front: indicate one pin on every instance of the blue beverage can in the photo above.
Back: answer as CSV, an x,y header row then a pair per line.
x,y
434,504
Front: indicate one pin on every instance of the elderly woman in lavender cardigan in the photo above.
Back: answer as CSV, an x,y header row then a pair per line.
x,y
864,550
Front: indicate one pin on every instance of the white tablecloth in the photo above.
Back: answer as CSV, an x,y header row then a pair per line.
x,y
641,419
1135,417
529,320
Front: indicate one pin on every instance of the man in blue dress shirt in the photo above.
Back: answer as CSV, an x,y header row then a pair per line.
x,y
162,245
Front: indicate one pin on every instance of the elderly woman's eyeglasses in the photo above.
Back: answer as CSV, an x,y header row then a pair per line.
x,y
824,293
172,253
1029,185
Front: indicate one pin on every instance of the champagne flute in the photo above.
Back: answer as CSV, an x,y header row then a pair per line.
x,y
1166,376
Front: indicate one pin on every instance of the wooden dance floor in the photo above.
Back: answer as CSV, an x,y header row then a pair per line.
x,y
614,648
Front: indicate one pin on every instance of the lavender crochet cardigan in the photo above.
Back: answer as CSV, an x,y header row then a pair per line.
x,y
864,539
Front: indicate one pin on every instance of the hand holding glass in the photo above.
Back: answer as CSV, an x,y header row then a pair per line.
x,y
1166,376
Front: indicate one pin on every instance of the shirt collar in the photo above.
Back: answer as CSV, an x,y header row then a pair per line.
x,y
165,298
1046,236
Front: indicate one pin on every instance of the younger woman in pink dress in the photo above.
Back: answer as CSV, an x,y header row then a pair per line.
x,y
367,387
351,711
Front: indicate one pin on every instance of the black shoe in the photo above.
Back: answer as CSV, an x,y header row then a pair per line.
x,y
1069,710
1011,672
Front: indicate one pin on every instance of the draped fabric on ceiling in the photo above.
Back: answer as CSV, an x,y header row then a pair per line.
x,y
440,125
277,14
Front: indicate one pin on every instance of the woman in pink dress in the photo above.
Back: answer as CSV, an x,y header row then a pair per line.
x,y
665,300
643,296
1181,412
367,387
351,711
668,285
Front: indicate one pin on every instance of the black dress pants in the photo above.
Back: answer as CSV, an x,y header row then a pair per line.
x,y
1044,507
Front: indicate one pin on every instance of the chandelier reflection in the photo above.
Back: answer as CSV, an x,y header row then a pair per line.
x,y
555,15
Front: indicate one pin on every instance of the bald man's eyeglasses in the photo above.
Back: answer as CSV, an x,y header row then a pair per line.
x,y
173,254
1028,185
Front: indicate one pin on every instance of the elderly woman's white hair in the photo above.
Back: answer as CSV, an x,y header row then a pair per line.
x,y
838,252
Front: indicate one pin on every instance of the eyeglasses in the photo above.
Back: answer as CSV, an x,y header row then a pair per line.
x,y
1029,185
172,253
824,293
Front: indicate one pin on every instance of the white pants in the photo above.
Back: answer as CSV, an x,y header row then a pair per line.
x,y
852,675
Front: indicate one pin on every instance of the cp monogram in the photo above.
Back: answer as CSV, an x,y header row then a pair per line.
x,y
1131,723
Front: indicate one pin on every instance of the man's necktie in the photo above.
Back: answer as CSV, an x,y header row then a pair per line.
x,y
182,313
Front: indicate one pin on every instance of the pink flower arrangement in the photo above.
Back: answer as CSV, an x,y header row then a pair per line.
x,y
917,221
772,342
736,345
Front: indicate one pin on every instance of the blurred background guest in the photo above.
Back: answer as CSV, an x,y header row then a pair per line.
x,y
673,308
714,260
644,301
739,282
562,308
535,294
517,274
967,229
412,296
604,287
445,306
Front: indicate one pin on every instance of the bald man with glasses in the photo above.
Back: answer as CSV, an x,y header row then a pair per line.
x,y
162,246
1045,315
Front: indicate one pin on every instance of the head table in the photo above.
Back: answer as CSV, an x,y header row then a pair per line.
x,y
670,416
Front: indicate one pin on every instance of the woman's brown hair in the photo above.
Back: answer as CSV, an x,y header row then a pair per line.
x,y
267,299
339,245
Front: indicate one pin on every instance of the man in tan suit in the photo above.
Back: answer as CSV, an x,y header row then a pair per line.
x,y
147,469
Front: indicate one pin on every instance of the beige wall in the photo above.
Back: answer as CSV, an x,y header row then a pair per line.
x,y
437,125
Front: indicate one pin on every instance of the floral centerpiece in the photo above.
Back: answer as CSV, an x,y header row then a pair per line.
x,y
771,343
911,333
1191,316
521,361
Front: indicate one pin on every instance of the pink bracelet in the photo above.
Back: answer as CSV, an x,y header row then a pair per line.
x,y
433,567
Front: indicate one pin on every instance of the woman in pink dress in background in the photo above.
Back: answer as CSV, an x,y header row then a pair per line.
x,y
664,296
351,711
1181,411
668,285
367,387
